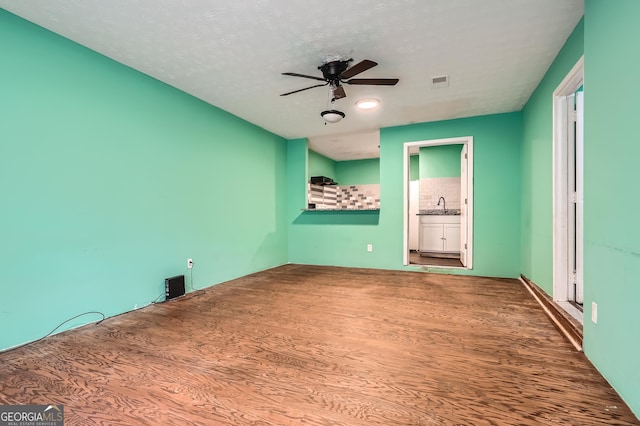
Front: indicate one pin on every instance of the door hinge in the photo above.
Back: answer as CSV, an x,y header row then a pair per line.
x,y
465,201
573,277
574,115
573,197
465,157
465,246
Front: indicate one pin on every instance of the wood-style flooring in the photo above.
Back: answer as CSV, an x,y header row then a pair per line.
x,y
417,259
317,345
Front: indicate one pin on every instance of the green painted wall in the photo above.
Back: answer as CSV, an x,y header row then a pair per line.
x,y
611,176
358,172
341,238
297,166
537,166
110,180
414,167
440,161
319,165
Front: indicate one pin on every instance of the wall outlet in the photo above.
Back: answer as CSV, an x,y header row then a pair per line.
x,y
369,247
594,312
189,263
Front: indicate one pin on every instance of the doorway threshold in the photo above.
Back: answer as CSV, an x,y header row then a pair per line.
x,y
572,310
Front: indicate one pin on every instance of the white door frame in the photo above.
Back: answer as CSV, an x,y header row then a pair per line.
x,y
410,146
579,255
561,135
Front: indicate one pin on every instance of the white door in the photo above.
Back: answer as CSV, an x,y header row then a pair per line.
x,y
579,152
575,198
464,203
414,208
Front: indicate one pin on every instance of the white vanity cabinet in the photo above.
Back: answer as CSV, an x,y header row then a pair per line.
x,y
439,233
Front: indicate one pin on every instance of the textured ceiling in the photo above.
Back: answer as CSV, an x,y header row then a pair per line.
x,y
231,54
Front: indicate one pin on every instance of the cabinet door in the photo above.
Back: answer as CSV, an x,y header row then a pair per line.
x,y
431,237
452,237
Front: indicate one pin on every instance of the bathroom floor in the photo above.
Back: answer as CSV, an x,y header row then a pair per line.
x,y
416,259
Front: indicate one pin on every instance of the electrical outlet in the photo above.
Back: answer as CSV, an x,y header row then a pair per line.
x,y
369,247
594,312
189,263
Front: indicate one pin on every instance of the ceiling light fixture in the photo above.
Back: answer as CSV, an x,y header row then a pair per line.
x,y
332,115
369,103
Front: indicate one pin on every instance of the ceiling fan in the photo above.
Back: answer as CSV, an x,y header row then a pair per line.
x,y
337,73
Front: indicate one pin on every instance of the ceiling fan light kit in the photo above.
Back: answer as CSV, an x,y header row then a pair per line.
x,y
332,115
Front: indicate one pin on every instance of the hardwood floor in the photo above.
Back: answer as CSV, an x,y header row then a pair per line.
x,y
321,346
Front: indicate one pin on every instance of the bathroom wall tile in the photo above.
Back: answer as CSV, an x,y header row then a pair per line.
x,y
433,188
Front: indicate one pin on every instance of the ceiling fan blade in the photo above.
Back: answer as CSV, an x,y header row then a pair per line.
x,y
306,88
339,93
293,74
373,81
358,68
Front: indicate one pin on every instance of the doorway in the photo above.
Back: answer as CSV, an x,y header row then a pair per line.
x,y
568,206
445,233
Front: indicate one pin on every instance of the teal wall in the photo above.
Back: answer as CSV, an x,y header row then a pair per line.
x,y
341,238
414,167
611,176
319,165
110,180
297,166
496,187
355,172
537,166
440,161
358,172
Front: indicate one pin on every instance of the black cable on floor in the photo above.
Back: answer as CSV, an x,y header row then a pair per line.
x,y
57,327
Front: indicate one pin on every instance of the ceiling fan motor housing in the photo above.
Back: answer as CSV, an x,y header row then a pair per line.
x,y
332,70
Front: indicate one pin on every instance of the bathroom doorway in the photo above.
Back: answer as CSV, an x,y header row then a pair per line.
x,y
438,203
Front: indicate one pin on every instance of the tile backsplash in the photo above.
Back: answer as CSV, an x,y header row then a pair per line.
x,y
347,197
431,189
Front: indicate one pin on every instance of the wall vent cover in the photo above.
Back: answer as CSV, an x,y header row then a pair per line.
x,y
440,81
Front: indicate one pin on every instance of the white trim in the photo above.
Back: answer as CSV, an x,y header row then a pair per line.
x,y
569,85
464,140
573,80
405,222
559,326
580,196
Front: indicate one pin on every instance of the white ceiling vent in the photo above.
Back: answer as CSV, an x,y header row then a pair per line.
x,y
440,81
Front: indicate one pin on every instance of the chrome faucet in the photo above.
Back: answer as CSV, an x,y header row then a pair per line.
x,y
444,204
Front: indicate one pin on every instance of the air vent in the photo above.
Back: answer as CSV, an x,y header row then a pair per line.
x,y
440,81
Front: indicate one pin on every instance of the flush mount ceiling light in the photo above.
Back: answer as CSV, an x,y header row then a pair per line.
x,y
332,115
368,103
